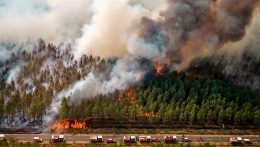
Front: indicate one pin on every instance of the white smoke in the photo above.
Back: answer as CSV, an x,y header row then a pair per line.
x,y
106,34
125,73
13,74
54,21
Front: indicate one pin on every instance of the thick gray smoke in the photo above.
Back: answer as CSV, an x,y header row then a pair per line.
x,y
196,28
172,32
242,58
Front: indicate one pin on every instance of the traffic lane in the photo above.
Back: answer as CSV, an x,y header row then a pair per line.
x,y
46,137
29,137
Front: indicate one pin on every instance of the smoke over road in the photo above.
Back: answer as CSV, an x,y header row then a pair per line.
x,y
172,32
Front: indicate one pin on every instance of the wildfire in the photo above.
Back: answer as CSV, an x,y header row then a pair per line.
x,y
130,94
160,66
66,124
149,114
159,70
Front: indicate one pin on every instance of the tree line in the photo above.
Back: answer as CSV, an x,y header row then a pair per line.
x,y
173,97
43,73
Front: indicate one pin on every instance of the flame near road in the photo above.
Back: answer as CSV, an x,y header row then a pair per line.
x,y
67,124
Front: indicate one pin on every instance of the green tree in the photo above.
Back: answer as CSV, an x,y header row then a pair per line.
x,y
192,115
238,117
257,117
64,109
221,115
169,114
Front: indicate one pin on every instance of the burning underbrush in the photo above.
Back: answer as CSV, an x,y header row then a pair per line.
x,y
70,124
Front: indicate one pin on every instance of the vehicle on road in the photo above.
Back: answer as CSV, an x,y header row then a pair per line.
x,y
233,141
110,140
186,139
57,138
247,141
96,139
170,139
155,139
239,140
37,139
130,139
2,137
236,140
145,139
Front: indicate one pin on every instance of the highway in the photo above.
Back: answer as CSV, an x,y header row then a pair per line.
x,y
84,138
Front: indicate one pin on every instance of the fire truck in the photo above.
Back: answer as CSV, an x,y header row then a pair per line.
x,y
57,138
129,139
96,139
145,139
170,139
236,140
239,140
233,141
248,141
37,139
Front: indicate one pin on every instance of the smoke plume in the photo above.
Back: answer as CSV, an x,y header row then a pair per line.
x,y
54,21
196,28
138,32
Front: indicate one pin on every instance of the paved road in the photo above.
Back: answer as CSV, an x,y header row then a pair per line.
x,y
85,137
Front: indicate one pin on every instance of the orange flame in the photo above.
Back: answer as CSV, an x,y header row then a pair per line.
x,y
78,125
159,70
130,94
160,66
147,114
66,124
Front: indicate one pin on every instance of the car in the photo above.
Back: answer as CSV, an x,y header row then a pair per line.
x,y
248,141
186,139
110,140
37,139
155,139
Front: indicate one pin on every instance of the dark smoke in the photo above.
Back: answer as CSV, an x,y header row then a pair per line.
x,y
194,28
